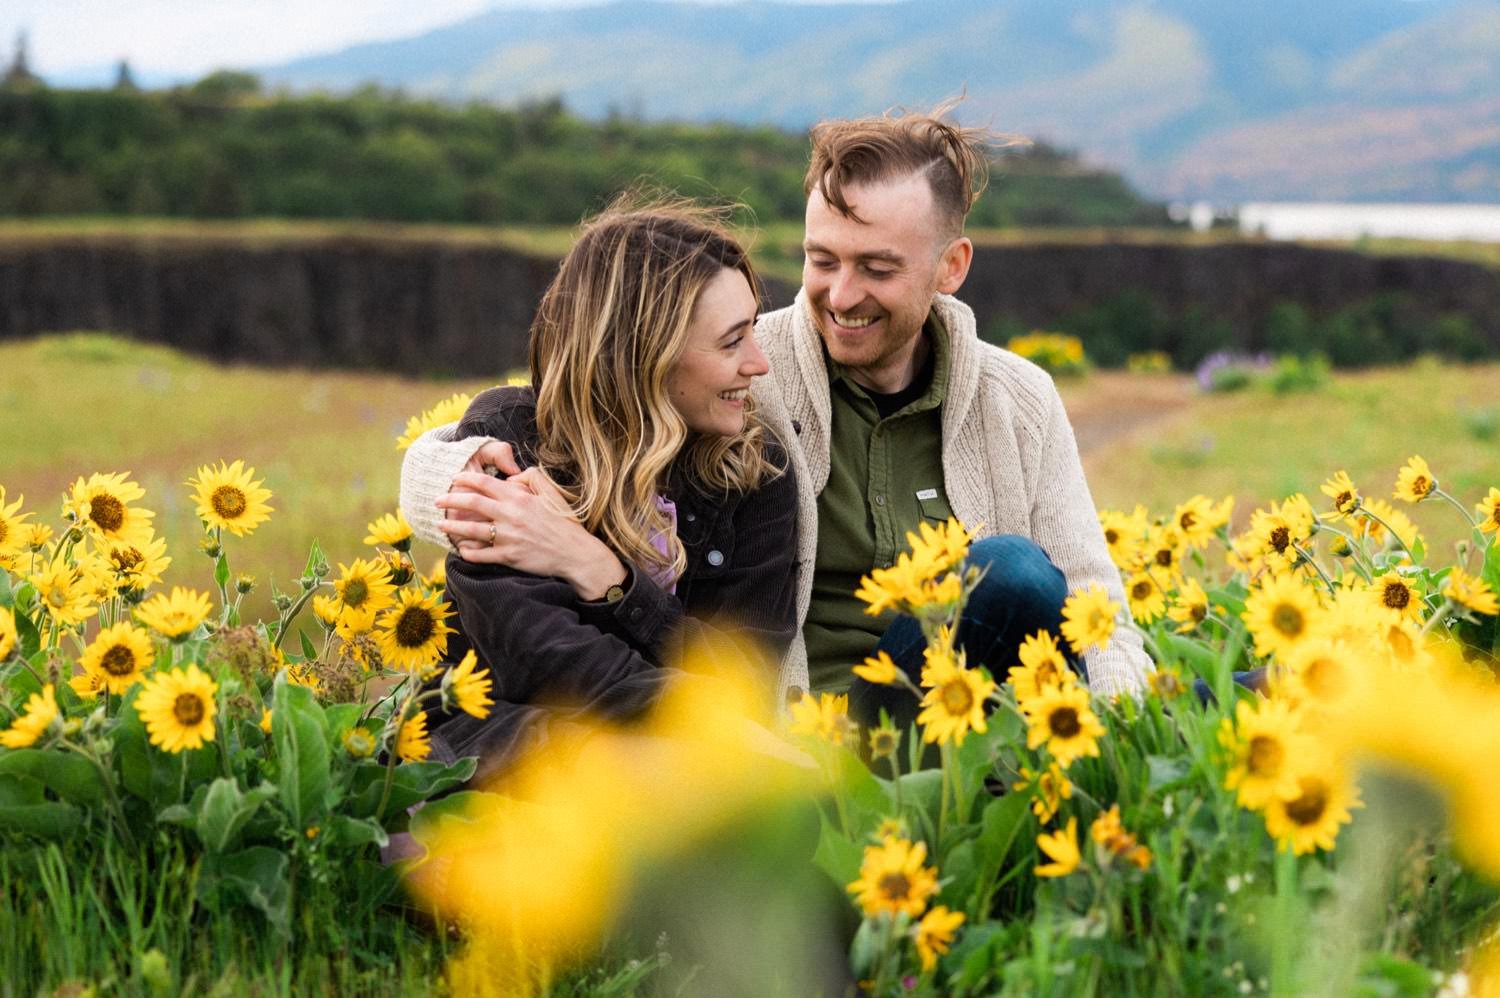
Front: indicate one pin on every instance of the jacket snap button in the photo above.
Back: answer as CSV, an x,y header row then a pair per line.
x,y
716,558
635,613
690,517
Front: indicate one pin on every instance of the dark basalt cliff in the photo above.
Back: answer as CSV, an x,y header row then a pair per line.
x,y
439,307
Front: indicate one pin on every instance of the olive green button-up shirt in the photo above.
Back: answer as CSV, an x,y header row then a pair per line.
x,y
886,476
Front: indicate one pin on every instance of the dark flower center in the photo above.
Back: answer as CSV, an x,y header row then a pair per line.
x,y
107,512
1141,590
1288,620
1308,808
1396,595
1281,537
1265,755
414,628
1421,485
1164,557
1064,722
894,886
118,661
957,697
188,709
1110,536
1343,500
229,502
126,558
1187,519
355,593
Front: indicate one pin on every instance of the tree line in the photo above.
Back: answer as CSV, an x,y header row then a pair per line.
x,y
225,147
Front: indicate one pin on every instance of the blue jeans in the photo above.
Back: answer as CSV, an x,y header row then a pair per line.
x,y
1021,593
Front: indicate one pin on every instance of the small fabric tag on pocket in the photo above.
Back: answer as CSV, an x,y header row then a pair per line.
x,y
926,494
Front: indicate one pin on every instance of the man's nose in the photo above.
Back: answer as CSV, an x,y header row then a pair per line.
x,y
844,291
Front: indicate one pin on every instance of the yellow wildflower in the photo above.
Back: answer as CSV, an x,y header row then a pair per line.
x,y
467,689
1062,848
392,530
879,669
414,633
1061,718
1310,818
953,704
1470,591
935,933
102,505
449,410
1051,788
825,717
1089,618
1264,743
1489,512
1340,488
412,743
177,615
119,656
1281,613
8,635
178,708
1414,482
36,717
230,497
1189,606
893,879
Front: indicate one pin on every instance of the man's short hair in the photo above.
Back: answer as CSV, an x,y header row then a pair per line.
x,y
954,159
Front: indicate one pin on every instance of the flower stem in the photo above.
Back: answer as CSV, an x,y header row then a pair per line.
x,y
1390,530
1308,557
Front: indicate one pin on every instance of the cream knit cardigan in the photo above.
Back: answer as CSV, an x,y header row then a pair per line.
x,y
1010,466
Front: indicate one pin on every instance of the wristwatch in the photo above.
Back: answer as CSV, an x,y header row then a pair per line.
x,y
613,594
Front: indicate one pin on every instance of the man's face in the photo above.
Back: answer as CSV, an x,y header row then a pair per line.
x,y
870,284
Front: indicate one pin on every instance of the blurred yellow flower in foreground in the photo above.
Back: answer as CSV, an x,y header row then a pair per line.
x,y
1311,818
36,717
893,880
1281,614
229,496
1062,848
544,869
178,708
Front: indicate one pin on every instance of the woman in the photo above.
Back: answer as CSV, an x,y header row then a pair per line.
x,y
649,502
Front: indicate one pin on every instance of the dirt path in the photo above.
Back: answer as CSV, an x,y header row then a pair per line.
x,y
1112,406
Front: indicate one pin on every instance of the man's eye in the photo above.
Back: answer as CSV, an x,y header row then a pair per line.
x,y
873,272
823,264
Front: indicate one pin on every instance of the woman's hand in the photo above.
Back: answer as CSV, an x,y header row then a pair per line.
x,y
524,523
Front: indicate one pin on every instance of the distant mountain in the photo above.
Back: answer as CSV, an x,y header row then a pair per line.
x,y
1278,99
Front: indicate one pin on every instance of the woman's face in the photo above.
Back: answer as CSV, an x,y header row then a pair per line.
x,y
710,381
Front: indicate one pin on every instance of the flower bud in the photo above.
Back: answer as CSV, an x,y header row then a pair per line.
x,y
244,584
282,602
210,546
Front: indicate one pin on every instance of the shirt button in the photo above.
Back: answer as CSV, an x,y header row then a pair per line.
x,y
880,499
635,613
716,558
690,517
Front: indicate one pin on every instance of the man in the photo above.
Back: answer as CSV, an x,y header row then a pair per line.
x,y
895,411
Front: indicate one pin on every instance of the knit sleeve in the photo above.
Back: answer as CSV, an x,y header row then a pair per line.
x,y
426,473
1066,524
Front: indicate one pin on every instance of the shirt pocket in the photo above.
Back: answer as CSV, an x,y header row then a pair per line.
x,y
934,505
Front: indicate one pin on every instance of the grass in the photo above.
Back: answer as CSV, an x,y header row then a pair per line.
x,y
324,443
1258,446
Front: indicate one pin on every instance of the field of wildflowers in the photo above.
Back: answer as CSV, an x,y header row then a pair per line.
x,y
196,803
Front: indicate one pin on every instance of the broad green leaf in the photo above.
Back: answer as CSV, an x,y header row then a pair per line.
x,y
18,791
464,806
299,731
28,638
1167,771
69,776
7,595
20,680
347,831
259,875
309,653
47,820
836,855
225,811
411,782
960,868
221,570
158,777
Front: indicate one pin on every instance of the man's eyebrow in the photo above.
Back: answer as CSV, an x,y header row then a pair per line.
x,y
889,256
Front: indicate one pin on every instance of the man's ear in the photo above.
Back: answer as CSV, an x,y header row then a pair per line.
x,y
953,265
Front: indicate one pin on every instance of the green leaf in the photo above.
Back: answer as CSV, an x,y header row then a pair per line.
x,y
258,874
300,733
1166,771
347,831
836,855
960,868
69,776
463,806
225,811
28,638
158,777
314,559
411,782
309,653
19,791
7,594
47,820
221,570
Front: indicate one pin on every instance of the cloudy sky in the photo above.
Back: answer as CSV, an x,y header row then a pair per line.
x,y
184,38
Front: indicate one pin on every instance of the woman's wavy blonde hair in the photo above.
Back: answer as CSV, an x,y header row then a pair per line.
x,y
611,326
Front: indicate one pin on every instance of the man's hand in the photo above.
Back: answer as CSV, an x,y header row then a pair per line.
x,y
523,522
